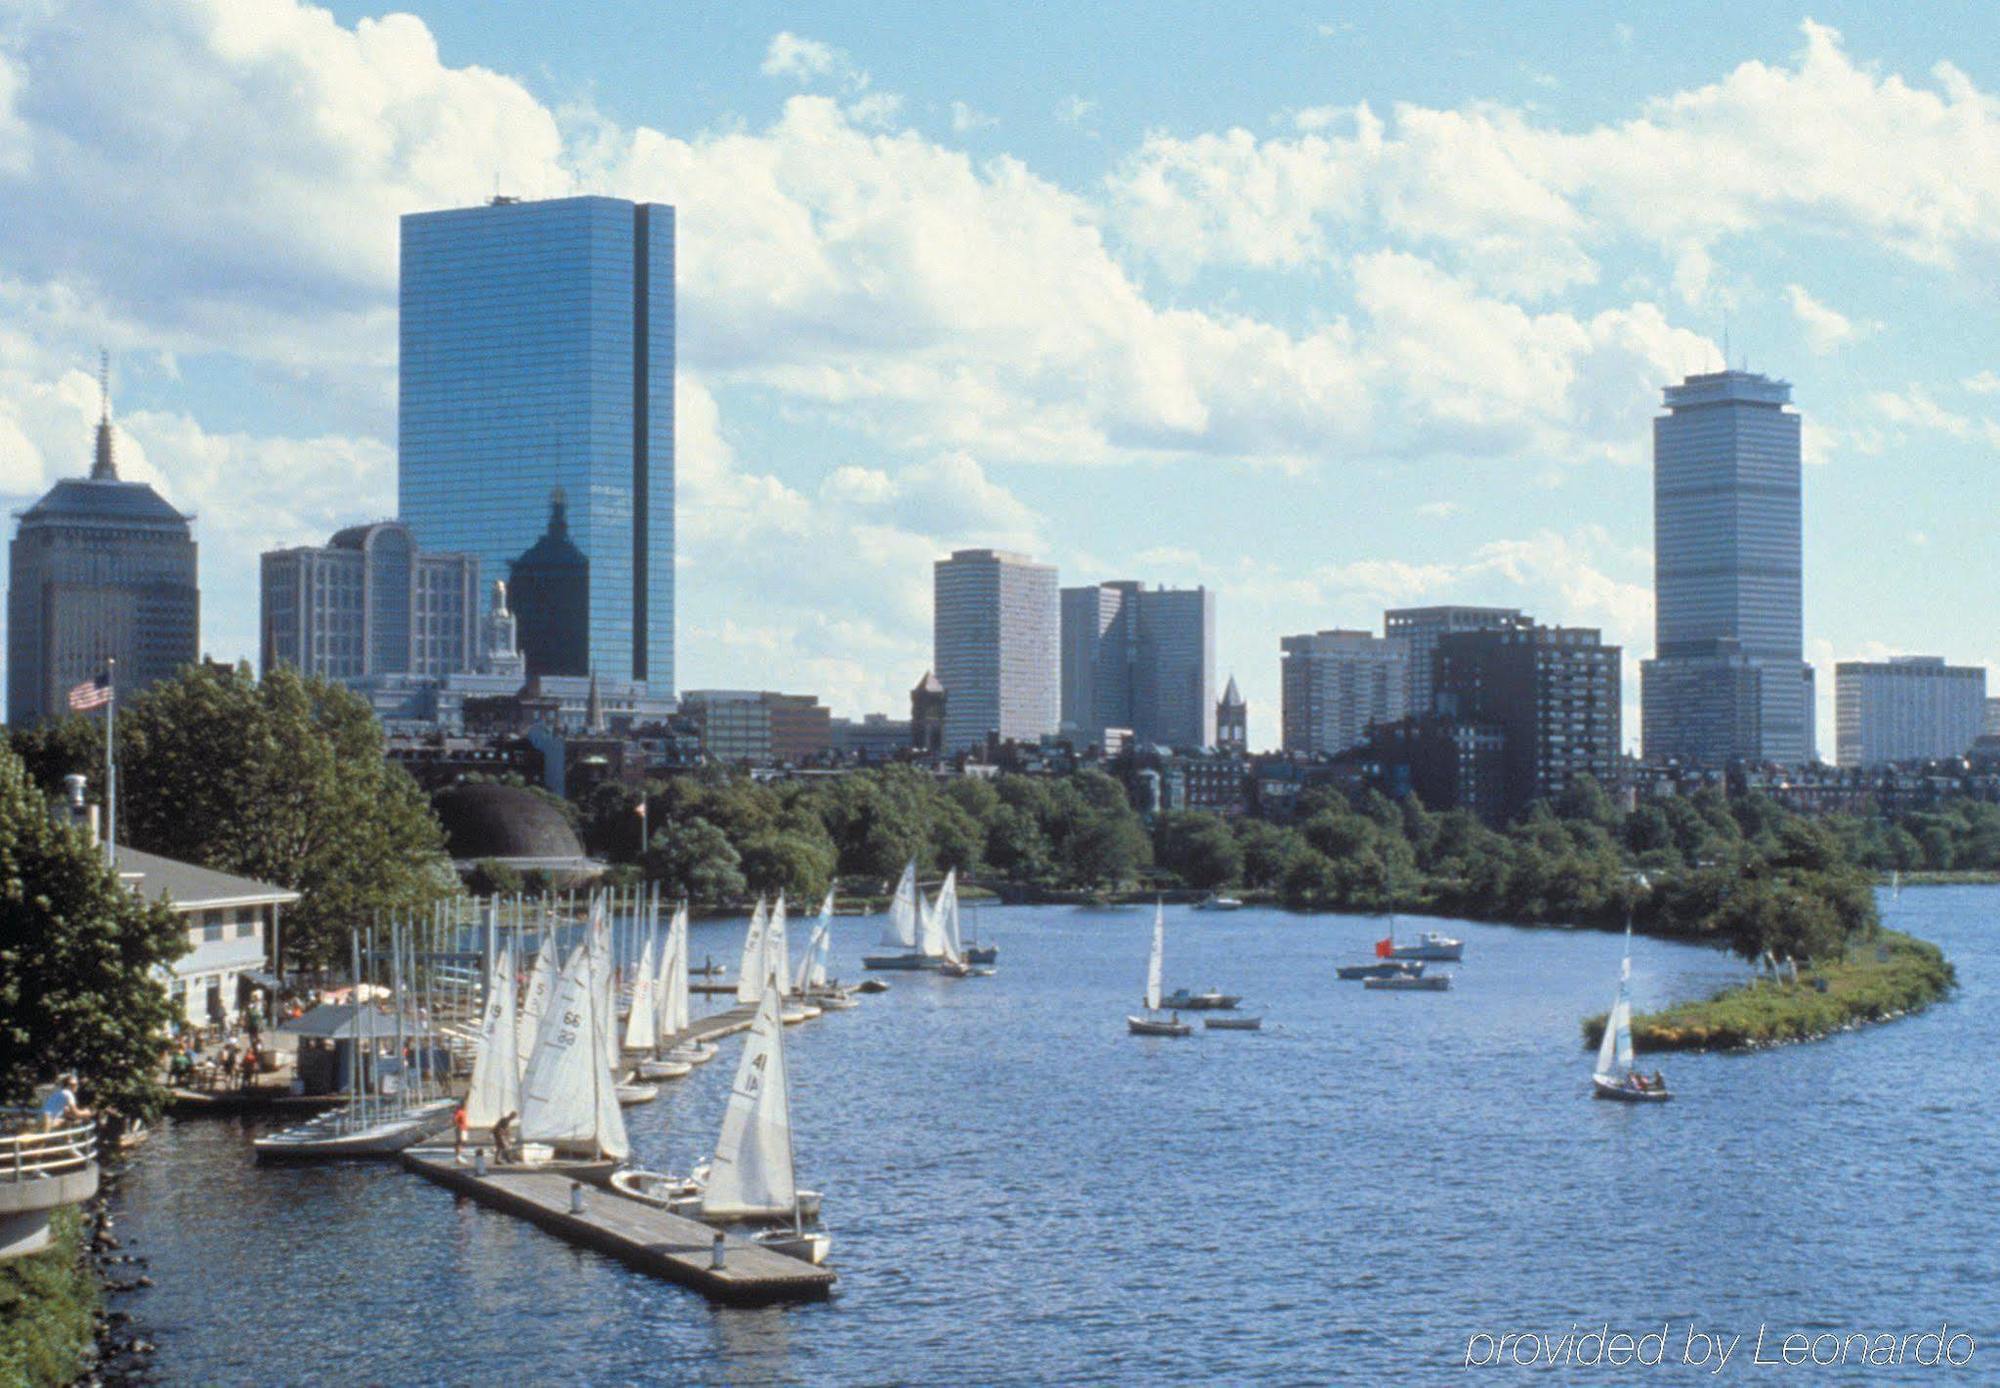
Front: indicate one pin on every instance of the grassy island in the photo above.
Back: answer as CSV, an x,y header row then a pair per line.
x,y
1874,981
48,1309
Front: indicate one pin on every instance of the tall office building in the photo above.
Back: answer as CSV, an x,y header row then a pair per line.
x,y
98,570
1335,685
994,630
1909,708
1728,681
1421,628
370,603
537,360
1552,693
759,727
1139,659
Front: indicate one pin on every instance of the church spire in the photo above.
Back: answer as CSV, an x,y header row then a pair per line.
x,y
104,468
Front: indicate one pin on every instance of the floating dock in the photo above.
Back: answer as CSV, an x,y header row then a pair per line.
x,y
639,1235
714,1026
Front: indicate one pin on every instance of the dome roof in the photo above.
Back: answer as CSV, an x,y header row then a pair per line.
x,y
82,499
505,822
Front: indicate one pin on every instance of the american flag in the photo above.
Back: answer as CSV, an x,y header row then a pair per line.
x,y
92,693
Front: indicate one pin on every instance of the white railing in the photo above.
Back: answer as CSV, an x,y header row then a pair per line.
x,y
28,1153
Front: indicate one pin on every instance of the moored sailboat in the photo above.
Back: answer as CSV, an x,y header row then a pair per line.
x,y
899,931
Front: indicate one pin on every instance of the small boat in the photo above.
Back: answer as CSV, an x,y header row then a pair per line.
x,y
334,1136
1212,1000
1152,1023
751,1180
900,932
657,1187
982,954
692,1052
1234,1023
630,1094
796,1012
1431,944
1215,901
832,999
1410,983
1381,968
1615,1077
809,1245
665,1068
871,985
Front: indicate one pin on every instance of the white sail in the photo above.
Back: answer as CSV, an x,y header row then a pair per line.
x,y
604,981
947,912
812,963
1615,1050
750,973
568,1098
496,1069
778,951
901,930
752,1173
1156,965
930,921
535,999
674,989
642,1024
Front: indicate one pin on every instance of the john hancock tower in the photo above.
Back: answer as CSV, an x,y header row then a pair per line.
x,y
537,391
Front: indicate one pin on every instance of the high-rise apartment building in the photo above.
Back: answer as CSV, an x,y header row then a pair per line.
x,y
1728,681
1421,628
1908,708
1139,659
995,633
1336,684
370,603
759,727
538,363
1552,693
99,570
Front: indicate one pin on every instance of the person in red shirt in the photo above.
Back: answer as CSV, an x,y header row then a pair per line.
x,y
459,1124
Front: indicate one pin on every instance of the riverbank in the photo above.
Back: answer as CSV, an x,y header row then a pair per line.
x,y
1877,981
48,1309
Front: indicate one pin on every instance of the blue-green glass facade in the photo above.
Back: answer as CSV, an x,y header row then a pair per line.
x,y
538,354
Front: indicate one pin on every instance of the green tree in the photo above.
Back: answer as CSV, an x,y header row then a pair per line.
x,y
79,961
1199,849
285,781
491,877
779,860
694,859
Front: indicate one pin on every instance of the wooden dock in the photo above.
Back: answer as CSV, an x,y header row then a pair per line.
x,y
639,1235
714,1026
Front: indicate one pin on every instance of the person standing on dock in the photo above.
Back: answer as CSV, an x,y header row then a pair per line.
x,y
501,1152
459,1123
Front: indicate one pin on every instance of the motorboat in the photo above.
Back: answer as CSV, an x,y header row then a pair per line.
x,y
1432,944
1233,1023
871,985
1215,901
1181,1000
657,1188
1410,983
1155,1021
1381,968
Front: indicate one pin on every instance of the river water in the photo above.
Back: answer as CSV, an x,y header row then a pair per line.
x,y
1020,1192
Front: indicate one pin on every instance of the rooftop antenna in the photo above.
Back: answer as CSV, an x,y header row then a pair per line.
x,y
104,467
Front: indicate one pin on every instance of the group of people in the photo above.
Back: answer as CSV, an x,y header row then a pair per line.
x,y
239,1061
1646,1084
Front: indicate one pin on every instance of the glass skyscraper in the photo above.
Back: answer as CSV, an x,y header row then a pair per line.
x,y
1728,681
1139,660
994,632
537,382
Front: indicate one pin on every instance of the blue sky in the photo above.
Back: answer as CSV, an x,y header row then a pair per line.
x,y
1329,307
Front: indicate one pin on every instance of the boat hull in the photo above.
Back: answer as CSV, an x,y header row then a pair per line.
x,y
631,1094
664,1069
1602,1088
809,1246
1430,983
1387,968
1201,1002
898,963
982,954
690,1205
1233,1023
1146,1026
332,1140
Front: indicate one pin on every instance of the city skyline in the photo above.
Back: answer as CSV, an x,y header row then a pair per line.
x,y
1456,395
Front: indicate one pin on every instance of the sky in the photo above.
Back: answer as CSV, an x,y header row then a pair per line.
x,y
1331,307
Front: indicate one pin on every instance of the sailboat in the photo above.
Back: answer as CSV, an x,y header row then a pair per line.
x,y
1614,1076
750,973
812,982
778,969
752,1178
535,999
496,1068
1153,1024
899,934
674,1014
569,1098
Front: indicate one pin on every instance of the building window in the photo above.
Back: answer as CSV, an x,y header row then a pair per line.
x,y
211,929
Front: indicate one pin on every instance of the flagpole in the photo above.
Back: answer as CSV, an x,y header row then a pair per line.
x,y
111,764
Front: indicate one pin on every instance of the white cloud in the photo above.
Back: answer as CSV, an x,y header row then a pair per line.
x,y
1822,144
1983,382
1441,510
965,118
1074,109
807,60
1826,330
